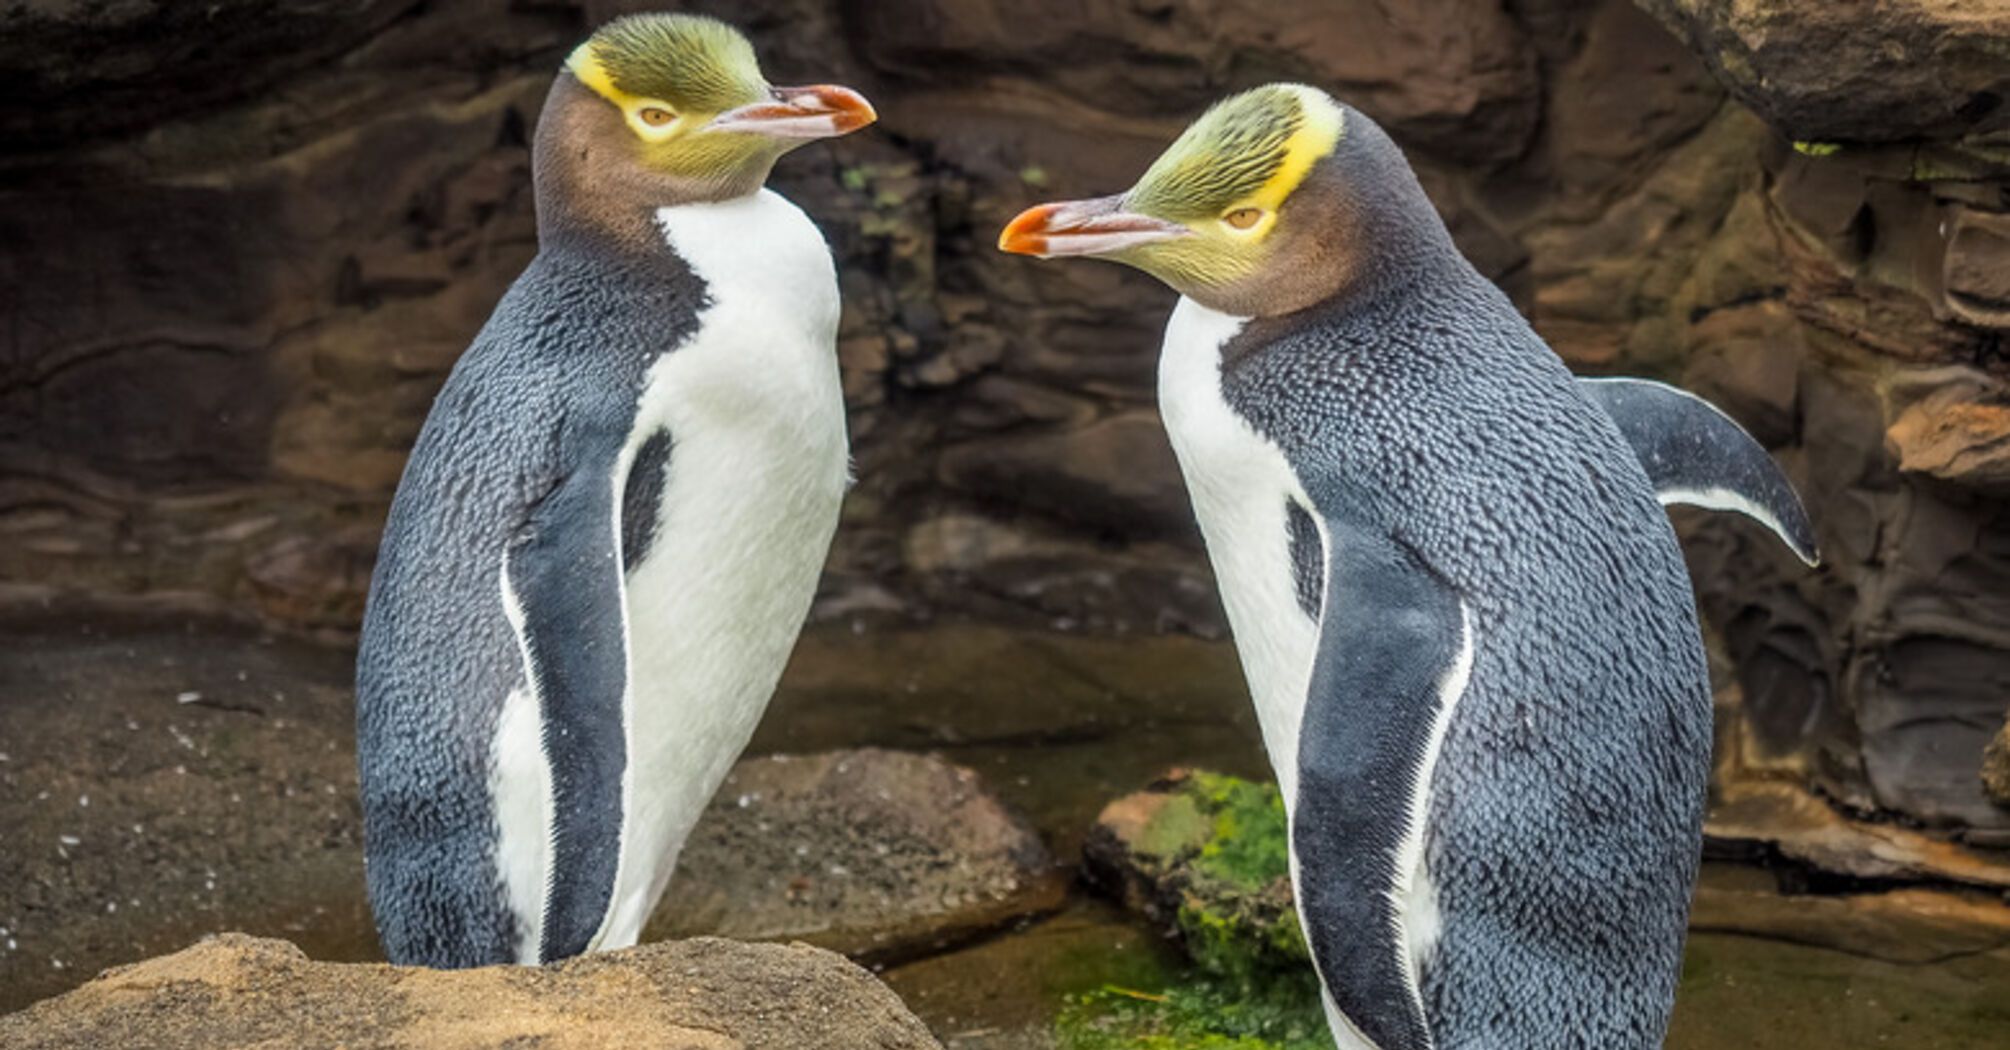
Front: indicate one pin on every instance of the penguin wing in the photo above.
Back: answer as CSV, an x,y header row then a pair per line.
x,y
562,583
1394,652
1696,455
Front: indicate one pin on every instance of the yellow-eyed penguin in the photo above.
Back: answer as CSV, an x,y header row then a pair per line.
x,y
612,524
1465,621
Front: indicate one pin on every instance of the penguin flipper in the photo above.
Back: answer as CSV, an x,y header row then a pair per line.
x,y
563,588
1696,455
1394,652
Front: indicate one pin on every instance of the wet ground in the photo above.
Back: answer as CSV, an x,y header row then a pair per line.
x,y
160,781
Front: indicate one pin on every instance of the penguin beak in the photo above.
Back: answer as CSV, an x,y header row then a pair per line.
x,y
820,111
1092,227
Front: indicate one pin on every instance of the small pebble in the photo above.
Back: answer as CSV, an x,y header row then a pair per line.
x,y
188,697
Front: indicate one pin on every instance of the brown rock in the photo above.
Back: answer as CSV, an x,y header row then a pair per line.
x,y
107,68
317,581
1956,435
1117,473
1996,768
235,991
878,854
1454,75
1804,829
1915,926
1977,273
1871,680
1856,72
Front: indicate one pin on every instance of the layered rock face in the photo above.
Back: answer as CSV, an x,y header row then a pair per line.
x,y
242,252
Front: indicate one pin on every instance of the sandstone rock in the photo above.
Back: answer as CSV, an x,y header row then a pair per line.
x,y
1957,433
878,854
1748,815
1856,72
1996,768
1977,267
1913,926
236,991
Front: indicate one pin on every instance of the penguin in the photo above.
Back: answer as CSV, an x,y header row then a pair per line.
x,y
1463,615
612,523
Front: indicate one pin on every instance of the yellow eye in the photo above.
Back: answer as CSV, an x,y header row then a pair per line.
x,y
655,116
1243,218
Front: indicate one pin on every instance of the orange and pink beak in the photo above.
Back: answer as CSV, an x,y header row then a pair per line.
x,y
1091,227
820,111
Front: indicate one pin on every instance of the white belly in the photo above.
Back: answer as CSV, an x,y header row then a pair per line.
x,y
1239,482
757,468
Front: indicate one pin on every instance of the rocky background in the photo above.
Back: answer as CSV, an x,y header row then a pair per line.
x,y
242,242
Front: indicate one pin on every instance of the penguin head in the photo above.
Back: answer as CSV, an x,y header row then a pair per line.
x,y
1274,200
681,98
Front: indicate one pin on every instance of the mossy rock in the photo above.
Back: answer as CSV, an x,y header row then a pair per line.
x,y
1204,855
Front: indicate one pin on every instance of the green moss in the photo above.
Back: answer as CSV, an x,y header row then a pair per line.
x,y
1250,846
1204,1014
1235,913
1818,149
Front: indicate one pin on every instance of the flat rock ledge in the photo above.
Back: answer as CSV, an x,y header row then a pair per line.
x,y
881,855
1749,817
236,991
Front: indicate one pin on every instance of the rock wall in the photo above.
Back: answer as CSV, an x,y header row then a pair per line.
x,y
242,250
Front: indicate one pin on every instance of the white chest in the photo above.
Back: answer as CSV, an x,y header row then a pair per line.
x,y
1240,483
757,468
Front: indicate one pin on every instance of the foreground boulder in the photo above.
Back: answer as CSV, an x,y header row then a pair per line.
x,y
877,854
237,991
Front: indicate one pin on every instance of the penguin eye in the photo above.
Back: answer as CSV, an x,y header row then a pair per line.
x,y
655,116
1243,218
